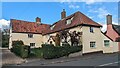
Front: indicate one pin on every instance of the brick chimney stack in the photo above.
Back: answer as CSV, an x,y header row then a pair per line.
x,y
38,20
109,19
63,14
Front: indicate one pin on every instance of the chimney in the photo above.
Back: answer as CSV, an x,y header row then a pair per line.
x,y
109,19
38,20
63,14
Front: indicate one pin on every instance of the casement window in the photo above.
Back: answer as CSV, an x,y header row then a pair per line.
x,y
32,44
30,35
92,44
106,42
91,29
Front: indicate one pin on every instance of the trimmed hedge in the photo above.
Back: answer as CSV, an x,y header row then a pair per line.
x,y
50,51
20,49
47,51
36,52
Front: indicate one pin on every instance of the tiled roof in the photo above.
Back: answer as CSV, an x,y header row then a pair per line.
x,y
19,26
117,28
31,27
78,19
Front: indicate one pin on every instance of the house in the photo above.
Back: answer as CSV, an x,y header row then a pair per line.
x,y
113,31
76,29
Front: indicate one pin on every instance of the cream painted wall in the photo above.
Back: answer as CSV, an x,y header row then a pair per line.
x,y
88,37
37,39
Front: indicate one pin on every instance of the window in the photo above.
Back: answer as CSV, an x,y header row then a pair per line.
x,y
92,45
68,21
32,44
91,29
106,43
30,35
52,27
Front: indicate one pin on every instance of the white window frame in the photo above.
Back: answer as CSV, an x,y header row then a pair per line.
x,y
91,29
93,44
52,27
106,43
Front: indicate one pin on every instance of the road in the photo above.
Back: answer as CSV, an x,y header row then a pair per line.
x,y
86,60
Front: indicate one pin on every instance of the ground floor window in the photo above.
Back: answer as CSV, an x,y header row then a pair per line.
x,y
92,44
32,44
106,43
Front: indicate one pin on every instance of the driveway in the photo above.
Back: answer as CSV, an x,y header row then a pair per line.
x,y
10,58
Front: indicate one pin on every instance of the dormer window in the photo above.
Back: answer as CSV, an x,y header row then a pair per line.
x,y
69,21
52,27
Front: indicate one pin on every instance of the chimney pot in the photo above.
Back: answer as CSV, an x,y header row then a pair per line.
x,y
38,20
63,14
109,19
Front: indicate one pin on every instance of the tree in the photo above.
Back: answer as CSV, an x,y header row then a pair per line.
x,y
57,39
5,38
64,35
75,38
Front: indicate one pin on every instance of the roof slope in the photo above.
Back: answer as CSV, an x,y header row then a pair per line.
x,y
78,19
19,26
117,28
31,27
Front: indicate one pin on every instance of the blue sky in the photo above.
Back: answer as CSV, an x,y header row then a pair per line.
x,y
49,12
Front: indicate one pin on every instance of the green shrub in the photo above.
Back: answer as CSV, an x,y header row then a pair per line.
x,y
37,52
49,51
19,49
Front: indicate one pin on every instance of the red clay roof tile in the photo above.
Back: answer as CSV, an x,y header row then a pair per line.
x,y
32,27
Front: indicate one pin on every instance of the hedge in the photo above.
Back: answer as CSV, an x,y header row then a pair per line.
x,y
19,49
36,52
50,51
47,51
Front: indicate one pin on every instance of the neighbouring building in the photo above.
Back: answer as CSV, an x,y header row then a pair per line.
x,y
76,29
113,31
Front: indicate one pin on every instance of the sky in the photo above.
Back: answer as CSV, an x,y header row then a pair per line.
x,y
50,12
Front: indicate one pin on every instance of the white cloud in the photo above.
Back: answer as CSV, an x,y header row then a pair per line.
x,y
4,22
102,12
73,6
90,1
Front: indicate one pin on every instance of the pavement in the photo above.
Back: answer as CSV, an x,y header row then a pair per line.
x,y
10,58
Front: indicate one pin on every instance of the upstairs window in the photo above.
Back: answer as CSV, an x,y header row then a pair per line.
x,y
91,29
52,27
106,43
92,45
30,35
68,21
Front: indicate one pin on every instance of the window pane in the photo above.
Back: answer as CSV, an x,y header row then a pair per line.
x,y
92,44
91,29
106,43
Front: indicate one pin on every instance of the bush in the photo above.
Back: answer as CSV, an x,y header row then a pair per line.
x,y
19,49
50,52
37,52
